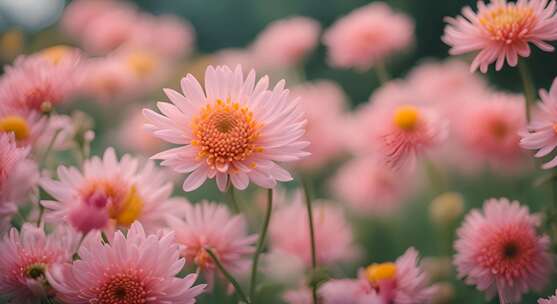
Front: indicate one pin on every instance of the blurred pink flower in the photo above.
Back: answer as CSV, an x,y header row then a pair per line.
x,y
27,256
234,129
109,194
107,79
210,225
289,232
133,136
488,130
80,13
367,36
500,252
542,130
324,104
371,187
502,30
550,300
179,36
110,30
236,56
402,282
139,268
27,126
285,43
301,295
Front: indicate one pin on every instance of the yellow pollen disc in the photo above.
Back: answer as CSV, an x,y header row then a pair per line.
x,y
17,125
129,209
141,63
406,117
379,272
508,23
55,54
225,132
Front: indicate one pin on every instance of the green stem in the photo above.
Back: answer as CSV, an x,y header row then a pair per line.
x,y
382,73
305,185
260,244
228,276
528,85
232,198
44,158
435,177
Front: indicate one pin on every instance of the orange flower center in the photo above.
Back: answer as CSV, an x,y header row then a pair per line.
x,y
508,23
16,125
225,132
406,117
376,273
56,54
141,63
499,129
123,288
555,127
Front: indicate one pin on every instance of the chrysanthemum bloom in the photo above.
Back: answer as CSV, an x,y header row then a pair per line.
x,y
37,83
235,129
79,14
401,282
494,138
371,187
397,127
27,255
289,232
500,252
542,131
109,193
25,126
139,268
108,79
501,31
550,300
18,177
285,43
324,104
367,36
211,226
110,30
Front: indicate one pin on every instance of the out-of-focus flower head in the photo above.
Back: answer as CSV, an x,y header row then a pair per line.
x,y
133,136
550,300
235,57
285,43
80,13
501,31
25,126
110,193
236,129
446,207
28,255
368,36
138,267
108,79
499,251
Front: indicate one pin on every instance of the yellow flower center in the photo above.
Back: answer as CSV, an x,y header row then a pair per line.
x,y
225,132
406,117
141,63
16,125
376,273
55,54
129,209
123,206
508,23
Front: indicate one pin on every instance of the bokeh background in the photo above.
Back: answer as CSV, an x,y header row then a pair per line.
x,y
234,24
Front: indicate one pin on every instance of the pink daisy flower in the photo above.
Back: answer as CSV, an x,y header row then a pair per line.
x,y
107,79
235,129
401,282
500,252
367,36
324,104
210,225
110,193
289,232
139,268
285,43
542,131
79,14
26,258
501,31
110,30
550,300
371,187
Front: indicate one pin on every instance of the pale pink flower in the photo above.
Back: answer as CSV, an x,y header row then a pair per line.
x,y
27,256
236,56
107,79
371,187
18,177
488,130
110,193
133,136
235,129
542,130
110,30
500,252
289,232
368,36
285,43
209,225
26,126
502,30
138,268
550,300
398,127
179,35
324,104
301,295
401,282
80,13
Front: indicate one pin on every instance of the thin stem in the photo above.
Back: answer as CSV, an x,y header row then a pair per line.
x,y
260,244
305,185
436,179
49,148
228,276
528,85
232,198
382,73
41,213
